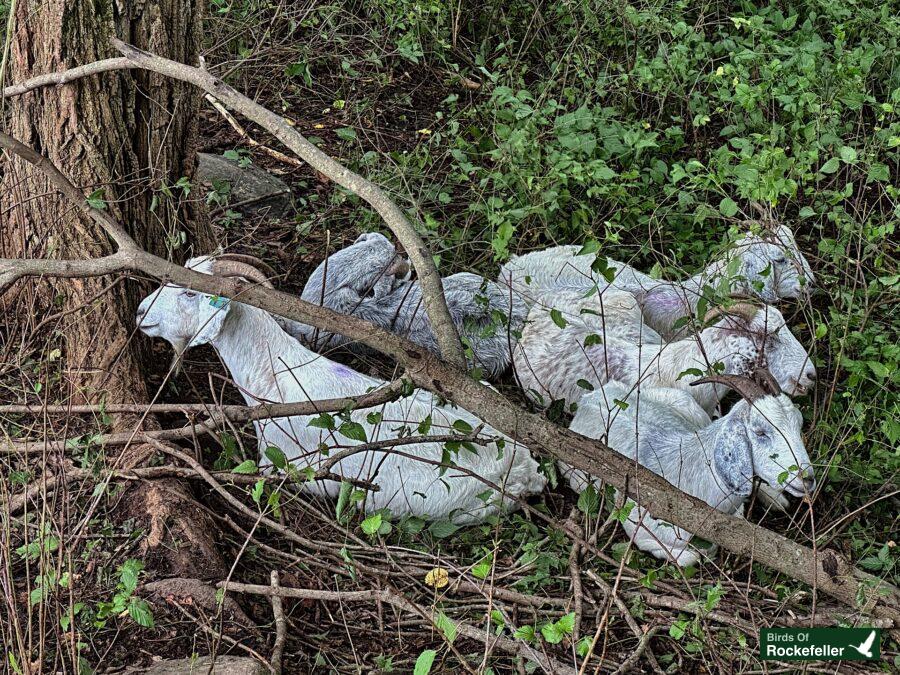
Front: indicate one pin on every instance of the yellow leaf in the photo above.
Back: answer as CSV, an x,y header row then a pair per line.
x,y
318,126
424,132
438,577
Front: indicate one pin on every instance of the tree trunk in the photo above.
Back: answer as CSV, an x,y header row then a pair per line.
x,y
126,138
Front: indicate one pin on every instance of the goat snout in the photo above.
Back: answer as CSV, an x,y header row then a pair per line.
x,y
805,381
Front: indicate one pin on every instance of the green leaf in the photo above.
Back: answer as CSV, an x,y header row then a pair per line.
x,y
446,626
128,574
424,662
847,154
354,431
425,426
139,610
728,207
830,166
441,529
276,456
589,500
257,492
558,319
593,339
590,246
483,568
462,427
343,499
95,200
345,133
323,421
248,466
584,384
525,633
878,368
372,524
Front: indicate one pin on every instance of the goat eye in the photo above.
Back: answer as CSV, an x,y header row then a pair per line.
x,y
189,294
762,433
781,260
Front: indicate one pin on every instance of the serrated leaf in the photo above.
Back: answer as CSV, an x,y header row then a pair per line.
x,y
589,500
525,633
139,610
593,339
372,524
248,466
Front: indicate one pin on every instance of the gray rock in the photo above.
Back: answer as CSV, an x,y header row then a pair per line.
x,y
224,665
263,193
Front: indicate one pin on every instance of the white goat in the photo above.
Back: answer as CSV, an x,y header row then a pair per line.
x,y
769,266
268,365
554,363
666,431
368,279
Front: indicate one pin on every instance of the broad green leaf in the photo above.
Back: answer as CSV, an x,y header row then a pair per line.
x,y
248,466
372,524
424,662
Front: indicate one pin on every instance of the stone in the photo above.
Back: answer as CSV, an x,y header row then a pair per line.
x,y
253,190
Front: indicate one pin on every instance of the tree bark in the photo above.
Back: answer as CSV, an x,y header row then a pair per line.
x,y
128,137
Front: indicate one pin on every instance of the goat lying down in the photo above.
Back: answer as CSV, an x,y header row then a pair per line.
x,y
370,280
553,362
268,365
666,431
769,266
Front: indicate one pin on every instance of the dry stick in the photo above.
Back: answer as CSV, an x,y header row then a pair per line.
x,y
842,581
272,152
280,626
394,598
237,414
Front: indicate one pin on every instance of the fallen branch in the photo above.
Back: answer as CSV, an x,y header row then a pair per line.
x,y
826,570
280,626
399,601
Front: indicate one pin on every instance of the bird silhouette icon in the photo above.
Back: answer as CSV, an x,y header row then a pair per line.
x,y
865,648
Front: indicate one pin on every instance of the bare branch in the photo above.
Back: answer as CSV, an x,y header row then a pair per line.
x,y
58,180
67,76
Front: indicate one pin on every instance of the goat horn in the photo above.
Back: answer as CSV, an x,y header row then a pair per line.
x,y
742,309
234,268
250,260
399,267
749,389
767,381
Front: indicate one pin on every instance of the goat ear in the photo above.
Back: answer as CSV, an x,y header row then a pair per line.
x,y
733,458
211,311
